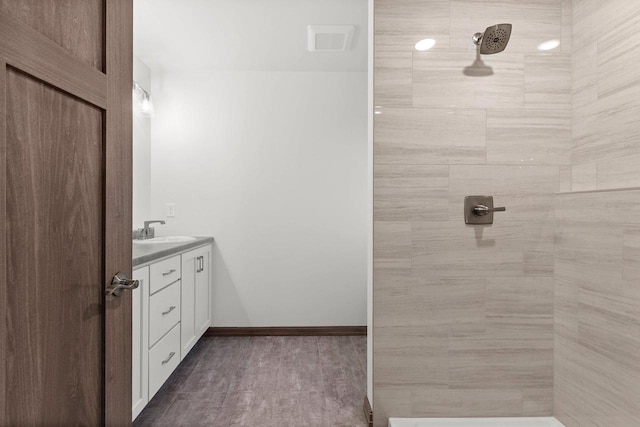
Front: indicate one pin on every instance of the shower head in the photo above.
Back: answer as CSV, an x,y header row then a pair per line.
x,y
494,39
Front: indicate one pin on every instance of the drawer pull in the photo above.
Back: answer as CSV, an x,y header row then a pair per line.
x,y
169,272
165,361
173,307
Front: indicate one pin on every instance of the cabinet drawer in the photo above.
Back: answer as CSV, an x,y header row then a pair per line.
x,y
164,311
164,273
164,357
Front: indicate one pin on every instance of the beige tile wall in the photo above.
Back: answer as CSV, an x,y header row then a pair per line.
x,y
597,309
606,94
463,316
597,249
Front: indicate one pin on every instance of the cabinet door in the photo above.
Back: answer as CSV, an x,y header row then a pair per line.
x,y
140,340
203,295
188,297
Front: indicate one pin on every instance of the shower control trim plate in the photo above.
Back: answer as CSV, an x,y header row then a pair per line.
x,y
479,210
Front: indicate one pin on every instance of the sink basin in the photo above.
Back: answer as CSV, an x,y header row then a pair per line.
x,y
165,239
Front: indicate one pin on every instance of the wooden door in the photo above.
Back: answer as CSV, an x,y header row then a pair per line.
x,y
65,211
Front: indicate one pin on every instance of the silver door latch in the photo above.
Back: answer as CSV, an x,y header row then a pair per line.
x,y
121,283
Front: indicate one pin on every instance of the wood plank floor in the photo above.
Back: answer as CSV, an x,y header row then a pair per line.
x,y
265,382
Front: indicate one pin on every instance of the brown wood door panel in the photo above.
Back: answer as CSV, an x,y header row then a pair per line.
x,y
118,205
75,25
65,207
54,211
3,248
29,51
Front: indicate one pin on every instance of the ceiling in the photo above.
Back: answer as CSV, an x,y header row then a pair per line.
x,y
245,34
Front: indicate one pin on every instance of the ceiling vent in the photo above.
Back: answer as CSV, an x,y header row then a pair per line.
x,y
330,38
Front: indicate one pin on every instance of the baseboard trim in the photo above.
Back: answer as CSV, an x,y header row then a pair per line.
x,y
368,412
286,331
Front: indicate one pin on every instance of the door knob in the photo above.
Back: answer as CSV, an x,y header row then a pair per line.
x,y
121,283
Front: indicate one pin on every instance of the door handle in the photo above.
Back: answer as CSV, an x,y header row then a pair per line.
x,y
169,272
482,210
121,283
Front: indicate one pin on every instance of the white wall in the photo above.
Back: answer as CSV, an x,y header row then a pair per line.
x,y
274,166
141,151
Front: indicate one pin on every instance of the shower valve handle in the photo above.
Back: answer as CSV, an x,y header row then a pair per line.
x,y
482,210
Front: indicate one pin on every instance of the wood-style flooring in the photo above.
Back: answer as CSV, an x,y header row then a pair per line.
x,y
265,382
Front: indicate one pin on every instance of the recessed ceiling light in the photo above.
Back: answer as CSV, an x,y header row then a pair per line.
x,y
377,112
425,44
549,45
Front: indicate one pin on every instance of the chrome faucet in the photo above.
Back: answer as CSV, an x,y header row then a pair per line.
x,y
147,232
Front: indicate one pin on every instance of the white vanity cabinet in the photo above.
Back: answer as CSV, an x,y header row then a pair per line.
x,y
171,311
140,347
195,297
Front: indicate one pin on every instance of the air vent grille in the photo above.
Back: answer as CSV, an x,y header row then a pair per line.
x,y
330,38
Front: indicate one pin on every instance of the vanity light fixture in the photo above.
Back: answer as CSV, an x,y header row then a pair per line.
x,y
425,44
143,100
